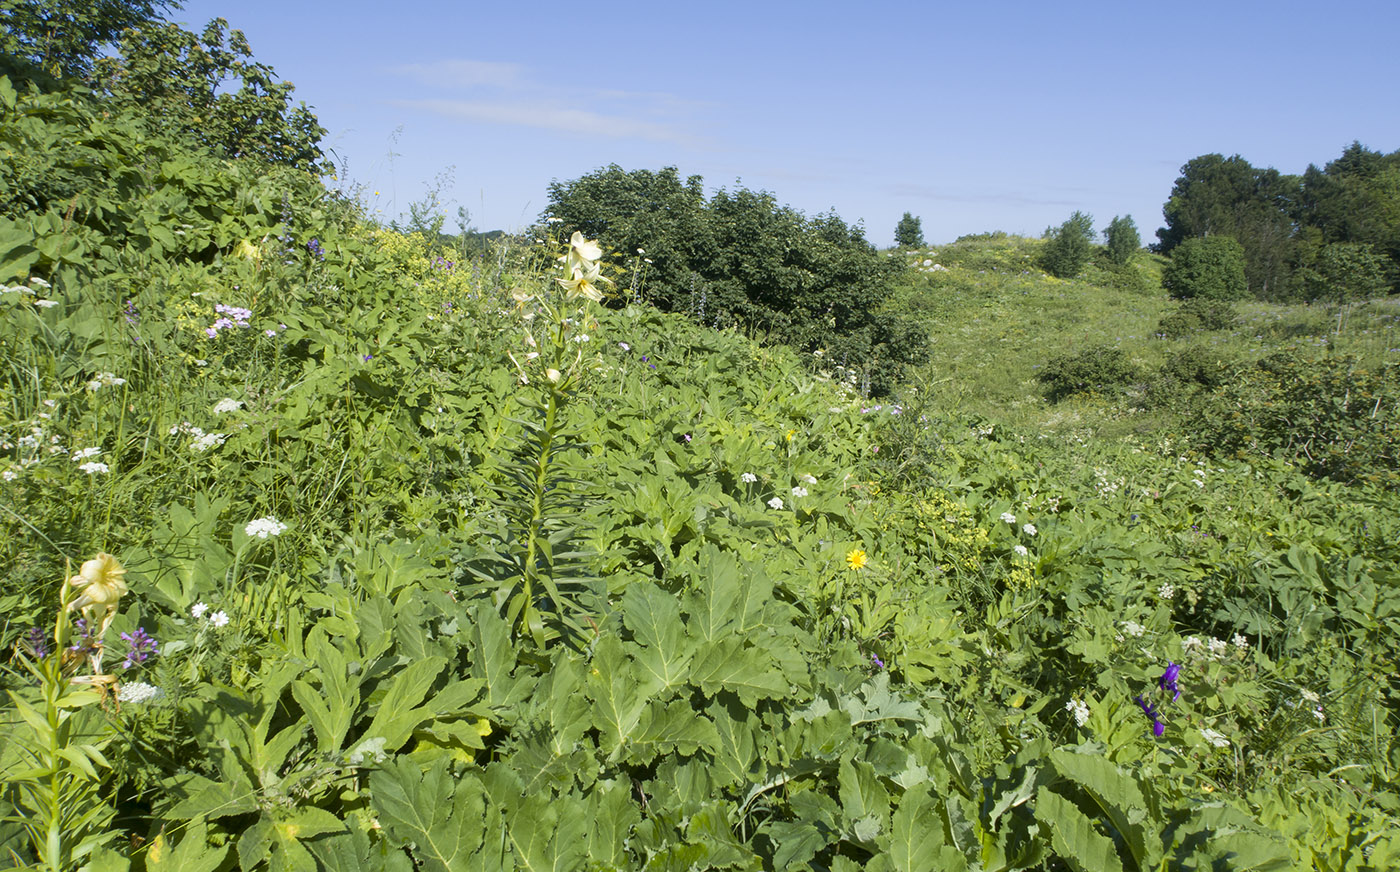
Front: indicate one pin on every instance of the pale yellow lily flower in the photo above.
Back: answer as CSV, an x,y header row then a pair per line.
x,y
580,249
100,582
585,283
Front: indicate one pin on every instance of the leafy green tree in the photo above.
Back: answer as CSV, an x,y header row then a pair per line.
x,y
1216,195
1121,239
64,38
743,258
909,232
1209,268
1355,199
654,212
207,87
1069,246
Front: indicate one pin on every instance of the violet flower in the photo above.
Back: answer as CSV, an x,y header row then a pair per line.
x,y
1158,728
140,646
1168,681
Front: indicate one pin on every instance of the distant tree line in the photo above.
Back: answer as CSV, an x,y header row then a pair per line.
x,y
1328,234
739,258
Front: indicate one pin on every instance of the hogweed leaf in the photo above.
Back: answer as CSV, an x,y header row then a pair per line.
x,y
1073,836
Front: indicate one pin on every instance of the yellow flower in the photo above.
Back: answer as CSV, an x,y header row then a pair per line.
x,y
585,283
99,582
790,434
856,559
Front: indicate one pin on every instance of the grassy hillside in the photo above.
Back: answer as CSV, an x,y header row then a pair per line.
x,y
449,566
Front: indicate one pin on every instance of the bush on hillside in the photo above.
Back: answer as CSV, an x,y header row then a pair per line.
x,y
1344,272
1069,247
1328,415
742,259
1121,240
1210,267
1198,315
1097,370
909,232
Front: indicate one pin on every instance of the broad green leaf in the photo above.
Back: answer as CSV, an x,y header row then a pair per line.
x,y
864,802
1073,835
549,834
213,800
398,716
611,814
1117,795
440,814
742,669
617,704
713,605
192,853
916,837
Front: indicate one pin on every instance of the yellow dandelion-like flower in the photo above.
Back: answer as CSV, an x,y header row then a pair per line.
x,y
790,434
856,559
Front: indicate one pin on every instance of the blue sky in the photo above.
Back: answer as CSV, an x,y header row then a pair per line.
x,y
975,116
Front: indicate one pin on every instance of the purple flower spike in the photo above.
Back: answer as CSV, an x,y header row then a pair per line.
x,y
140,646
1158,728
1168,681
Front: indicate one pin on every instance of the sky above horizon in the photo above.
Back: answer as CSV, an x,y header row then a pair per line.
x,y
974,116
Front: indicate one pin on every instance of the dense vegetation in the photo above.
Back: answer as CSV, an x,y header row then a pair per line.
x,y
406,557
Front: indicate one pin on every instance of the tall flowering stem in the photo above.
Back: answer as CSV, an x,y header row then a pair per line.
x,y
555,365
58,797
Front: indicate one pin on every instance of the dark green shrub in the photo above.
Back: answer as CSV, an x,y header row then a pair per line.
x,y
1211,267
1198,315
1187,378
1069,246
1330,416
1101,369
743,259
1344,272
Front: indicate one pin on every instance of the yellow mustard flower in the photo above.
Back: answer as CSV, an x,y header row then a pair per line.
x,y
856,559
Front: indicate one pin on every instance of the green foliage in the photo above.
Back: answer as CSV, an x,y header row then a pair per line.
x,y
1353,200
1121,240
909,232
741,259
1218,196
1097,370
64,38
818,631
1344,272
1330,416
1210,268
206,87
1198,315
1068,247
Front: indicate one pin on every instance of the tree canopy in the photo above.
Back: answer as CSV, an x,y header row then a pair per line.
x,y
741,258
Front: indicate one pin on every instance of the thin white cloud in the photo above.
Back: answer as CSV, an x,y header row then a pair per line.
x,y
551,117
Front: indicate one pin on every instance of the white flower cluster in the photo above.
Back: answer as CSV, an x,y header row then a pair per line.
x,y
105,380
93,466
1216,649
1009,518
1134,629
775,503
138,692
217,620
199,440
262,528
1079,709
799,491
227,404
1216,739
748,478
1166,591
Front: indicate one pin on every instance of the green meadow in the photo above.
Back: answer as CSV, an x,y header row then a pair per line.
x,y
326,544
